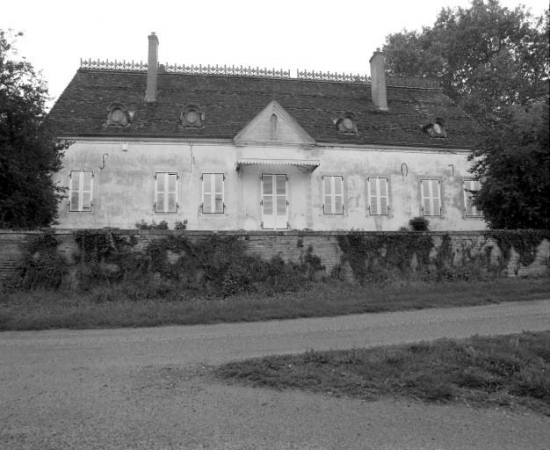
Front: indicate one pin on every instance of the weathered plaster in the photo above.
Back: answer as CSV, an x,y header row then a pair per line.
x,y
124,188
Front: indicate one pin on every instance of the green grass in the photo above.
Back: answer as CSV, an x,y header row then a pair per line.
x,y
129,306
509,370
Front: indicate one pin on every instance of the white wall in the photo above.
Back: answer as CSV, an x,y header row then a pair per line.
x,y
124,188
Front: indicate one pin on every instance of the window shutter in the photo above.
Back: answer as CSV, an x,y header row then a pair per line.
x,y
86,191
338,195
267,194
171,194
280,181
81,190
383,189
327,187
373,196
75,192
166,192
436,195
425,193
207,193
218,192
160,186
431,197
470,209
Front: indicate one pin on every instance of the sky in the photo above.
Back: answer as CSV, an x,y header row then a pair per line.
x,y
320,35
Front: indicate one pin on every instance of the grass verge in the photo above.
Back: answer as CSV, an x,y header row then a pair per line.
x,y
508,370
114,307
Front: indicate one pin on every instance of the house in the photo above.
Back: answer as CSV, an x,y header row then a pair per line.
x,y
228,148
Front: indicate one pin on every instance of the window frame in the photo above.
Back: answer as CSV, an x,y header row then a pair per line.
x,y
467,198
81,191
166,193
378,196
430,197
213,193
333,195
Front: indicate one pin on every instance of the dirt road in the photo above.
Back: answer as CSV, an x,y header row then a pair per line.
x,y
150,388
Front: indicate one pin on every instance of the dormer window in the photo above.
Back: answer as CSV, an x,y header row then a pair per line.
x,y
436,129
192,117
347,124
118,115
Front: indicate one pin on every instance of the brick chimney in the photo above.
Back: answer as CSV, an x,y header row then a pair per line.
x,y
152,69
378,80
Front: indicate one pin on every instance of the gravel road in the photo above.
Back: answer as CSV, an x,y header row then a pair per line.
x,y
150,388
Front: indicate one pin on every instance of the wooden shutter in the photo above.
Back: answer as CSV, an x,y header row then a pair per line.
x,y
160,192
383,196
267,194
218,192
470,209
378,195
333,195
166,192
338,183
74,202
81,191
86,191
281,194
327,195
431,197
213,191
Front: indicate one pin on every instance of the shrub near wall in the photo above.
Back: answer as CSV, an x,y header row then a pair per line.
x,y
167,263
211,264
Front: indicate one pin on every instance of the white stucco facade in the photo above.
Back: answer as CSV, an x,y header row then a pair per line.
x,y
124,189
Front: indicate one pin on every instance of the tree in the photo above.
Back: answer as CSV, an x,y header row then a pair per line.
x,y
514,167
29,151
486,57
494,63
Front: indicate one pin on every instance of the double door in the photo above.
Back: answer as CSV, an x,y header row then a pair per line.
x,y
274,202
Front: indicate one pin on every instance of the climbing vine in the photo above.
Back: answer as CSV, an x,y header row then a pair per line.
x,y
168,264
384,257
525,242
41,266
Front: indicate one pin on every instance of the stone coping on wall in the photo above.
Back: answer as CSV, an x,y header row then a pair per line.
x,y
67,231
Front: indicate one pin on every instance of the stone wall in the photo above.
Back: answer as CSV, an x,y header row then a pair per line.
x,y
292,245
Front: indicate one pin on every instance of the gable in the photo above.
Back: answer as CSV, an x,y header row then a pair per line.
x,y
273,125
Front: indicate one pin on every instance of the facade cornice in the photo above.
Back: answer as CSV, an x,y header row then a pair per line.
x,y
394,148
153,140
148,140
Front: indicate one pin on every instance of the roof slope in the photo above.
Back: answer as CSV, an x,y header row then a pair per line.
x,y
229,103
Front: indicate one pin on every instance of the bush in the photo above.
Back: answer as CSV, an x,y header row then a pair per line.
x,y
419,224
42,266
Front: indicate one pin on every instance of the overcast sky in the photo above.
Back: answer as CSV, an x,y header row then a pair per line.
x,y
322,35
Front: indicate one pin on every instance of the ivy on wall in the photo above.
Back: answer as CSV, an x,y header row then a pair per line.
x,y
524,242
170,263
41,265
385,257
217,265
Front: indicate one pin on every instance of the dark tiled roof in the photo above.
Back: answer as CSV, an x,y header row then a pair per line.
x,y
231,102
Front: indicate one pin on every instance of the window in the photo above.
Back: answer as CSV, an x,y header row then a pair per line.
x,y
166,192
469,209
436,129
378,195
431,197
212,193
347,123
333,195
273,127
118,116
81,191
274,201
192,117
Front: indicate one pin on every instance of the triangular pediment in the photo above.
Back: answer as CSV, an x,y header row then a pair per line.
x,y
273,125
